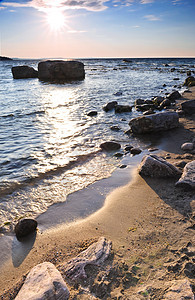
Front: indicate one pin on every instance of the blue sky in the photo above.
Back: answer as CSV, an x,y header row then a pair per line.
x,y
97,28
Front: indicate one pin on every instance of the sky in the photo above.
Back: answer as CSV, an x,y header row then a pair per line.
x,y
97,28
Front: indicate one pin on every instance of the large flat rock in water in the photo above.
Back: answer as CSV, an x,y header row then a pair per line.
x,y
44,282
188,177
154,123
60,71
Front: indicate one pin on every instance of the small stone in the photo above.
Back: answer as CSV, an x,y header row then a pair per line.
x,y
114,128
152,149
135,151
128,148
92,113
187,146
181,164
109,106
122,166
118,154
110,146
25,227
122,108
187,179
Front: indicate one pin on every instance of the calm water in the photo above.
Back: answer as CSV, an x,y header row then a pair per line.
x,y
48,144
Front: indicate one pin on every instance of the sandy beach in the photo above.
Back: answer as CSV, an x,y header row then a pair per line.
x,y
148,220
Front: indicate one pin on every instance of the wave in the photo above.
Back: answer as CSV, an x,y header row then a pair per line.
x,y
21,115
7,188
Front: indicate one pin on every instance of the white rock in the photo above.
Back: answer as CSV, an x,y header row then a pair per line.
x,y
44,282
187,146
179,290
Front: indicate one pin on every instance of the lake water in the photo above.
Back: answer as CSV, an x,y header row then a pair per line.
x,y
49,147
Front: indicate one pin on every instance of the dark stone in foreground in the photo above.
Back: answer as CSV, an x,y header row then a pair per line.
x,y
188,107
174,96
110,146
60,71
154,123
135,151
25,227
190,81
21,72
154,166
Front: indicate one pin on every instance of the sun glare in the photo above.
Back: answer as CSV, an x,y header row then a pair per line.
x,y
55,18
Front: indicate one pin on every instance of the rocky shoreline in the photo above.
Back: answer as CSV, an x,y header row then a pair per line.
x,y
150,223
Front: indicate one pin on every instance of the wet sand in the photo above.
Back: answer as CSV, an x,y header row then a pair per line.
x,y
144,219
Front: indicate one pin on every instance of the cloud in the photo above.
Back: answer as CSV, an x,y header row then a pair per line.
x,y
146,1
1,7
175,2
152,18
43,5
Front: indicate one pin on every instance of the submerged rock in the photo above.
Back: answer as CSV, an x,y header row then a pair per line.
x,y
95,254
154,166
44,282
110,146
92,113
135,151
60,71
188,177
122,108
154,123
22,72
25,227
110,106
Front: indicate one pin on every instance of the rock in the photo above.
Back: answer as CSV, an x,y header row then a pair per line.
x,y
152,149
122,108
135,151
154,122
25,227
179,290
148,112
139,102
190,81
118,154
181,164
145,107
176,78
189,270
188,107
164,85
165,102
114,128
5,58
110,106
127,60
122,166
44,282
188,177
110,146
118,94
92,113
187,147
172,69
157,100
21,72
95,254
60,71
174,96
189,73
128,148
154,166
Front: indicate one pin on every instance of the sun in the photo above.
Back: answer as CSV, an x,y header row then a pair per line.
x,y
55,18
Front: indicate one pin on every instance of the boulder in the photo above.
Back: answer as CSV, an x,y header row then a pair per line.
x,y
174,96
164,103
148,112
145,107
154,123
110,146
44,282
187,147
179,290
110,106
188,107
190,81
188,177
60,71
95,254
25,227
139,102
122,108
21,72
154,166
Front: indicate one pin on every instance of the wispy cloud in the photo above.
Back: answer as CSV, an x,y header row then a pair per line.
x,y
147,1
152,18
42,5
1,7
175,2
